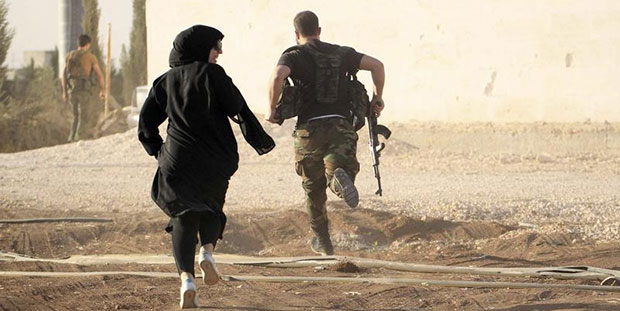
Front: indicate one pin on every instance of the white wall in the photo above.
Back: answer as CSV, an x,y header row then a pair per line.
x,y
440,55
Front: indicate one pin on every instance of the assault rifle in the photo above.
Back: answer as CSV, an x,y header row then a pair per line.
x,y
374,130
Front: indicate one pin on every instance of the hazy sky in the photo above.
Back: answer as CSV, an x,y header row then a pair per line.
x,y
36,26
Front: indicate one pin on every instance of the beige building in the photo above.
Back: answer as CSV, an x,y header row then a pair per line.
x,y
479,60
39,58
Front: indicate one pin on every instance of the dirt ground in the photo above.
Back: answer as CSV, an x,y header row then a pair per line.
x,y
483,195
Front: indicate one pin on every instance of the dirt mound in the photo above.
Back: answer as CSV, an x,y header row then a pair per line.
x,y
266,233
281,233
346,267
287,232
284,232
532,244
125,235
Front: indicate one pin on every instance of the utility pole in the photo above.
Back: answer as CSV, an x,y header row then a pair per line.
x,y
108,73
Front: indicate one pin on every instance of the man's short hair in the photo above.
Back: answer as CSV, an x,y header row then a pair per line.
x,y
306,23
83,40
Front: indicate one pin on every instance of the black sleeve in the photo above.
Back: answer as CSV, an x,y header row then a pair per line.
x,y
288,59
225,94
353,60
152,114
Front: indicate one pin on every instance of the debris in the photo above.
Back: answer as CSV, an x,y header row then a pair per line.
x,y
352,293
611,281
346,266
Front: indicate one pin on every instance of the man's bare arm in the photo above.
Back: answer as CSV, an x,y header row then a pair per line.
x,y
377,71
378,79
275,89
63,84
100,79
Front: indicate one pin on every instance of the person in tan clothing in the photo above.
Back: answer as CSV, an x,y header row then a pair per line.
x,y
76,85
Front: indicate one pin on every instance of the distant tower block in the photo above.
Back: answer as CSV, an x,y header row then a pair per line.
x,y
70,14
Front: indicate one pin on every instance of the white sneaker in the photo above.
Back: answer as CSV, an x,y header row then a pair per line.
x,y
210,274
189,297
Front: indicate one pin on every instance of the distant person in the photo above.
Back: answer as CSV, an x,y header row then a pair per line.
x,y
77,86
200,153
325,140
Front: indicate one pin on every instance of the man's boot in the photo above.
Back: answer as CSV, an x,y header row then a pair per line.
x,y
320,243
342,185
322,246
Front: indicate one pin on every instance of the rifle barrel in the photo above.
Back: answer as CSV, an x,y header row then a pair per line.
x,y
378,177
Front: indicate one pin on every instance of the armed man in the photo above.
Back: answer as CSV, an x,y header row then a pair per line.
x,y
76,86
325,139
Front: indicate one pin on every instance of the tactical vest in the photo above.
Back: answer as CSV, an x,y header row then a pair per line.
x,y
77,81
331,84
329,76
335,86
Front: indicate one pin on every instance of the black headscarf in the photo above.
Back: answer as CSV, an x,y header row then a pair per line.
x,y
193,44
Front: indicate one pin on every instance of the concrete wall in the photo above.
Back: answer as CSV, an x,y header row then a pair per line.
x,y
477,60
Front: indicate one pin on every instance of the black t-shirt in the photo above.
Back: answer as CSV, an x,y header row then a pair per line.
x,y
303,72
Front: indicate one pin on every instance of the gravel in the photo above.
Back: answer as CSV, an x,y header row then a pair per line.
x,y
546,177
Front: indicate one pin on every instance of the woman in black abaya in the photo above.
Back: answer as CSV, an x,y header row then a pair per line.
x,y
200,153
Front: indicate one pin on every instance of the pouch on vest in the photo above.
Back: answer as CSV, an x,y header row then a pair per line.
x,y
332,85
79,84
328,75
359,101
290,102
77,81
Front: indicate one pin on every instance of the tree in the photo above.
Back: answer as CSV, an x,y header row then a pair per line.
x,y
55,60
34,116
6,36
90,26
116,85
137,45
133,63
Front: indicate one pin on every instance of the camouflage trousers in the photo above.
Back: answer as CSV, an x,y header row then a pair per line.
x,y
80,103
321,146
